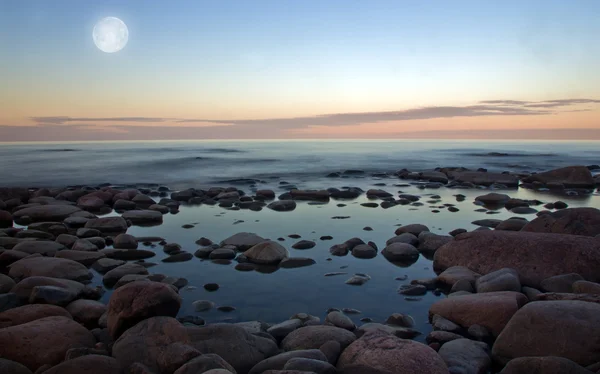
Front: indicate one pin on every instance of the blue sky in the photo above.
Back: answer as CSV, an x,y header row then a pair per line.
x,y
229,60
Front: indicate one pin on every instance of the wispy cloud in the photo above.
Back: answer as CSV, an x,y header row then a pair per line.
x,y
61,120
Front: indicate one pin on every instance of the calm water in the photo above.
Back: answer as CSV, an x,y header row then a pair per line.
x,y
197,163
273,297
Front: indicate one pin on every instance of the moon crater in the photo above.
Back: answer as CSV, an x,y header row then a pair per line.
x,y
110,34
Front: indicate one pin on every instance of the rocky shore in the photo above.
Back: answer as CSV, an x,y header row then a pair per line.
x,y
515,295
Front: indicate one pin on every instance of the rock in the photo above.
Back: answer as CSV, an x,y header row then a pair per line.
x,y
179,257
500,280
143,342
554,328
570,176
466,356
267,194
560,283
406,237
487,222
282,205
242,241
400,252
279,361
107,225
535,256
493,198
175,355
304,244
281,330
430,242
46,213
491,310
6,283
483,178
43,247
402,320
512,224
582,286
523,210
331,350
8,301
385,354
86,312
222,253
338,319
266,253
127,254
35,234
203,305
137,301
312,337
310,365
90,364
206,363
66,240
122,205
11,367
574,221
412,290
296,262
111,277
104,265
143,217
125,241
9,256
43,341
462,285
24,288
234,344
83,257
442,337
27,313
364,251
49,267
84,245
543,365
400,332
567,296
314,195
51,295
414,229
357,280
440,323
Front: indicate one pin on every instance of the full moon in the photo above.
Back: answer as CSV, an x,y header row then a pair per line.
x,y
110,34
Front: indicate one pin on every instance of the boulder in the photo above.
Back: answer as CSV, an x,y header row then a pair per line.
x,y
282,205
206,363
11,367
104,265
137,301
43,341
51,295
574,221
143,217
144,342
338,319
9,256
304,244
113,276
560,283
267,253
314,195
242,241
281,330
107,225
278,362
125,241
296,262
466,356
234,344
400,332
6,283
85,258
570,176
309,365
43,247
28,313
586,287
491,310
84,245
484,178
89,364
46,213
24,288
86,312
566,329
414,229
398,252
364,251
430,242
313,337
380,353
543,365
512,224
453,274
6,219
493,198
49,267
127,254
534,256
175,355
405,237
500,280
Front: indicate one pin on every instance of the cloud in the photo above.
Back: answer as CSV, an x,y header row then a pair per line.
x,y
63,120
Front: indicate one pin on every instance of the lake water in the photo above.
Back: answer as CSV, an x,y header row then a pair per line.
x,y
275,296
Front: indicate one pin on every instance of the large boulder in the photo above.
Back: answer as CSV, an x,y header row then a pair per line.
x,y
484,178
499,280
568,329
242,241
6,219
44,341
534,256
491,310
570,176
278,362
137,301
107,225
49,267
466,356
234,344
143,217
86,258
543,365
207,364
28,313
267,253
86,312
88,364
6,283
24,288
46,213
145,341
313,337
574,221
8,366
113,276
413,228
380,353
125,241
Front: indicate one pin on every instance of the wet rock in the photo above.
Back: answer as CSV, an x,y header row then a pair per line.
x,y
377,193
543,365
127,254
279,361
574,221
84,245
266,253
385,354
370,205
309,365
491,310
281,330
483,178
406,237
104,265
137,301
560,283
86,312
430,242
400,252
24,288
43,341
412,290
49,267
570,176
282,205
107,224
112,276
45,213
414,229
203,305
125,241
549,322
585,287
356,280
296,262
83,257
512,224
466,356
364,251
493,198
500,280
143,217
535,256
488,222
245,267
338,319
442,324
304,244
326,237
43,247
402,320
242,241
178,257
313,337
34,234
28,313
523,210
400,332
66,240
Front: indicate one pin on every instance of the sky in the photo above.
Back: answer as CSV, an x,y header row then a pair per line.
x,y
301,69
